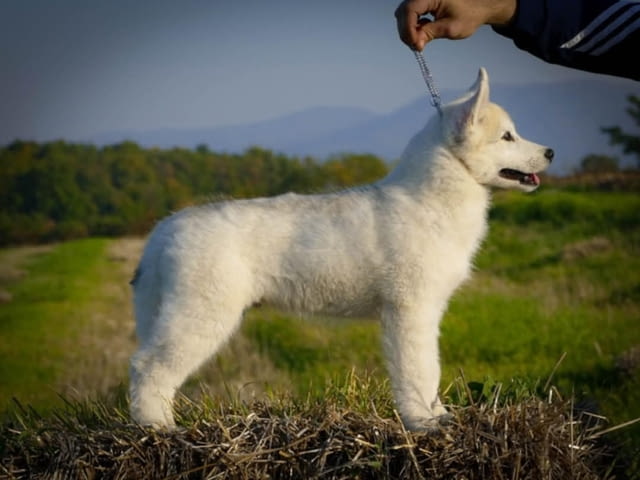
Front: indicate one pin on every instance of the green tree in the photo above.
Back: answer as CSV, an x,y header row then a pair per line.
x,y
354,169
595,163
630,142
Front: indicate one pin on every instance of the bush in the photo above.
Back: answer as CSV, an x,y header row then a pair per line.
x,y
599,164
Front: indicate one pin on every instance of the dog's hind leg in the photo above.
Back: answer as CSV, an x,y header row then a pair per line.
x,y
411,346
184,335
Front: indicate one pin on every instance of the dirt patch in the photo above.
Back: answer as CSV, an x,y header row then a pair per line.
x,y
127,251
628,362
586,248
5,297
12,261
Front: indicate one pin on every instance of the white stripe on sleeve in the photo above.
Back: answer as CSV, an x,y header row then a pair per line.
x,y
599,20
632,27
602,34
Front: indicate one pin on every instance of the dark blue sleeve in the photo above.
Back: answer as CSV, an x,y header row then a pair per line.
x,y
595,35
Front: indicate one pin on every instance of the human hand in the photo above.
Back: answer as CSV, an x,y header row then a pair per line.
x,y
453,19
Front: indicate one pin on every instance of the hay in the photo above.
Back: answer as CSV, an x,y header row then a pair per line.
x,y
530,439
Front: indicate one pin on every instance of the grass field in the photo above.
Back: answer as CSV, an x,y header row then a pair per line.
x,y
66,326
558,278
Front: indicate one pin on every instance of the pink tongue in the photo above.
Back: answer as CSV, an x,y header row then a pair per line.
x,y
531,179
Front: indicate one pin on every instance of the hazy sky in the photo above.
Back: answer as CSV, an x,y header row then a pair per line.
x,y
72,68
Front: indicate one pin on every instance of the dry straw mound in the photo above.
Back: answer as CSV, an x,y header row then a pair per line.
x,y
283,439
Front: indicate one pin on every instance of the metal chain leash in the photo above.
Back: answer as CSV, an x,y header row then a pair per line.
x,y
426,74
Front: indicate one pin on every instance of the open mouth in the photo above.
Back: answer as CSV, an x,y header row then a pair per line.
x,y
524,178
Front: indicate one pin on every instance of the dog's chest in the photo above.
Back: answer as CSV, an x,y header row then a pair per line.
x,y
434,249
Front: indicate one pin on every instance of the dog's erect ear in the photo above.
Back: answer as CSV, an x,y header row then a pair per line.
x,y
465,111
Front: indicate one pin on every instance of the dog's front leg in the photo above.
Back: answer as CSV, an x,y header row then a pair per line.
x,y
410,338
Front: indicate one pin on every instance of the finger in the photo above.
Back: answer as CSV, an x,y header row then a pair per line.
x,y
408,22
403,22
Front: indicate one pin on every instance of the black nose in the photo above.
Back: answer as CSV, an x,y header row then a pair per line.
x,y
548,153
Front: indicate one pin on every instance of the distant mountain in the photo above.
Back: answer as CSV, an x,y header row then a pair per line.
x,y
565,116
273,134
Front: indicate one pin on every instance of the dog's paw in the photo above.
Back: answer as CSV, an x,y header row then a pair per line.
x,y
431,424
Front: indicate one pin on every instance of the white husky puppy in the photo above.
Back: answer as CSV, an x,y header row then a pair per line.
x,y
396,249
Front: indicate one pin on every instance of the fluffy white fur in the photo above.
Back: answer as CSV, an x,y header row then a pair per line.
x,y
396,249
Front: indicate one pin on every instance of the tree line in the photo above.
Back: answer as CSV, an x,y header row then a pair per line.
x,y
57,190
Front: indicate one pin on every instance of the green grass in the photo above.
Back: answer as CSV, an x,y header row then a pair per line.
x,y
39,327
314,351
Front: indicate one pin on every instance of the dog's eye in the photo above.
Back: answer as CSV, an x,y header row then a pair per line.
x,y
507,136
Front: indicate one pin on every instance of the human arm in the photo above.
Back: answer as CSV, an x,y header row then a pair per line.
x,y
600,36
594,35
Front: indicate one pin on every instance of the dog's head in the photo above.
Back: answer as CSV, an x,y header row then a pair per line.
x,y
483,137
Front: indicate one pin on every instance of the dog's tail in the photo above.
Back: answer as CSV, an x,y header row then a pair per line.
x,y
136,277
